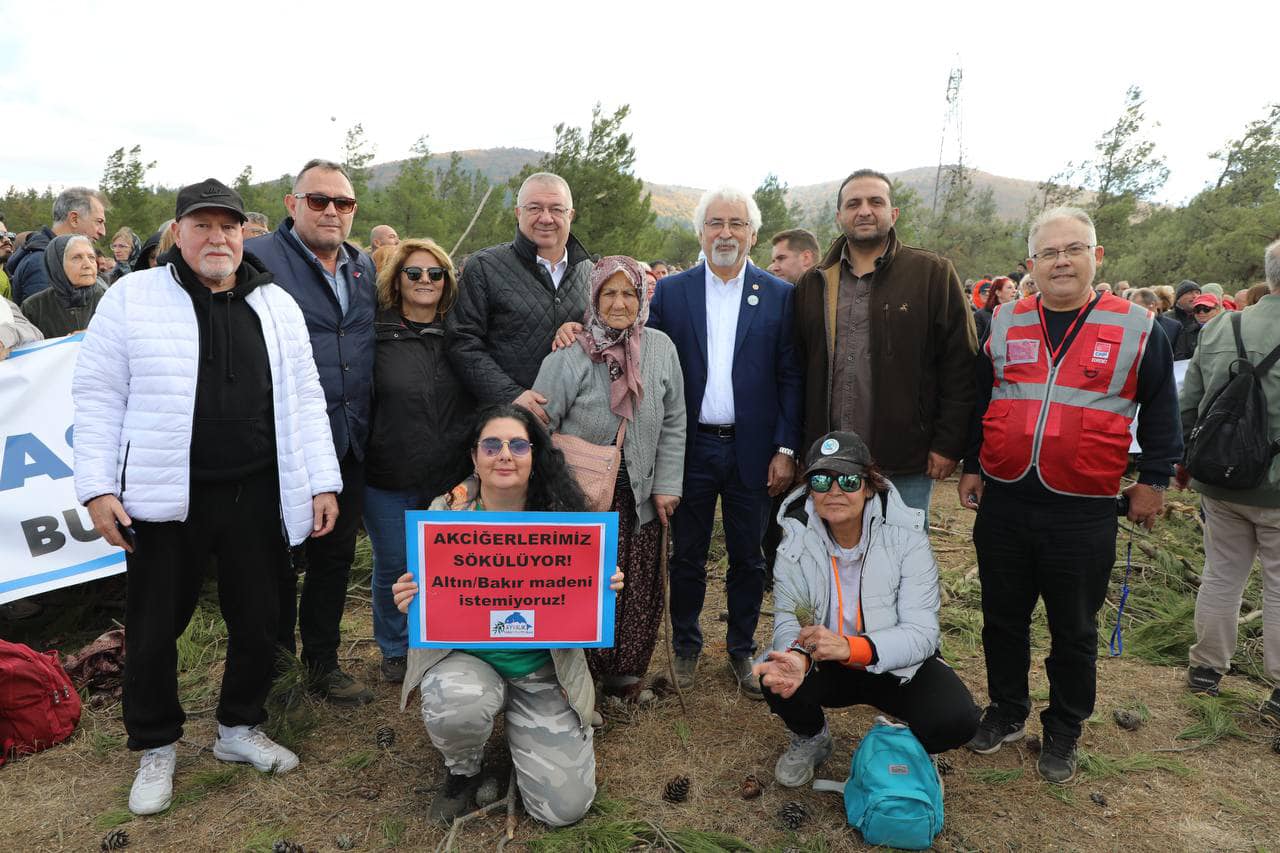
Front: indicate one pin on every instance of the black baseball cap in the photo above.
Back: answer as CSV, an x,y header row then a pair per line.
x,y
208,193
841,452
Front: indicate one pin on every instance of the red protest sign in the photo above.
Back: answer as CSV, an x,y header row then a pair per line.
x,y
513,580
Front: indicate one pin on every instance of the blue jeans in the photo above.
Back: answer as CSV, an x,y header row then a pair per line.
x,y
915,491
711,471
384,520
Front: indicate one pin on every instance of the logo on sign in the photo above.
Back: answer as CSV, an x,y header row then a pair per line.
x,y
510,623
1101,352
1022,352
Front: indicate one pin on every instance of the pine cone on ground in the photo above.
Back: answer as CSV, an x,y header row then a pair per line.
x,y
1098,798
677,790
384,736
1275,745
116,839
944,765
1033,744
284,845
751,787
793,814
1126,719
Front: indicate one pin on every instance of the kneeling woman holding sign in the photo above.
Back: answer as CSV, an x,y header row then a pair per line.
x,y
547,694
856,591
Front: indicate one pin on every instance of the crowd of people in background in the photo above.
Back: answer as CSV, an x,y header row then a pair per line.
x,y
818,402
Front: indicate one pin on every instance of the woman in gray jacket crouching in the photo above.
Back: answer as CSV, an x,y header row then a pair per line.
x,y
856,619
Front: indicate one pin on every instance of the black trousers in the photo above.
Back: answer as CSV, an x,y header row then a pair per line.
x,y
1065,556
318,612
239,523
935,704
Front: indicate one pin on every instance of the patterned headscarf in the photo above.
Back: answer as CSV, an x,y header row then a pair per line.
x,y
617,348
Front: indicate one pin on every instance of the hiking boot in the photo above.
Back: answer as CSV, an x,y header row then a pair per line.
x,y
685,669
247,744
152,789
740,666
454,799
393,669
994,732
1202,679
1057,762
1270,709
795,766
341,689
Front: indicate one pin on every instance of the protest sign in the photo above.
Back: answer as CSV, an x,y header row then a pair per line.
x,y
46,538
506,580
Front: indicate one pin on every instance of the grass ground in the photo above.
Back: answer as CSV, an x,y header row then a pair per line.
x,y
1198,774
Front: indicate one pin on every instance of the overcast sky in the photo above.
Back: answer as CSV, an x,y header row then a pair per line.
x,y
719,92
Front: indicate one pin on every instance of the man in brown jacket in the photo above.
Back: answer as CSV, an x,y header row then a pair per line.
x,y
886,341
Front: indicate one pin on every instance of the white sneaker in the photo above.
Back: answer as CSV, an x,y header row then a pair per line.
x,y
153,785
795,767
248,744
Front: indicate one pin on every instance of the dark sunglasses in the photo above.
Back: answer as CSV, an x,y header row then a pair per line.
x,y
493,446
415,273
8,235
821,482
1206,309
318,202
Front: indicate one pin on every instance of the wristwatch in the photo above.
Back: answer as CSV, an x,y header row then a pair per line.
x,y
787,451
808,655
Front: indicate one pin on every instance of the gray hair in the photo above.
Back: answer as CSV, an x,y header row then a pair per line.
x,y
1146,296
1272,266
323,165
76,199
256,218
76,238
733,195
1053,214
548,179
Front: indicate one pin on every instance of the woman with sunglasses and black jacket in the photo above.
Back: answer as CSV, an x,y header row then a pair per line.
x,y
856,619
418,424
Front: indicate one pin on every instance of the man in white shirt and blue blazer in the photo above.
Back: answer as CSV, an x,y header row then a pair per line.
x,y
731,324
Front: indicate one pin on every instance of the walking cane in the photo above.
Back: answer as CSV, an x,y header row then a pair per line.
x,y
666,613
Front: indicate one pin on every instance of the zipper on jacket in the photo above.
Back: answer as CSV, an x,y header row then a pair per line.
x,y
124,468
888,338
1044,416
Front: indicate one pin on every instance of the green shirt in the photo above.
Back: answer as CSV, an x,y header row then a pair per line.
x,y
512,663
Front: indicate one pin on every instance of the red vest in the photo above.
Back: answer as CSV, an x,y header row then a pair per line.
x,y
1070,421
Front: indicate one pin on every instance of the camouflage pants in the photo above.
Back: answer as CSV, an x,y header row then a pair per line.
x,y
552,751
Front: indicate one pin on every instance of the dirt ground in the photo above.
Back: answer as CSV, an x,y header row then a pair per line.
x,y
1221,795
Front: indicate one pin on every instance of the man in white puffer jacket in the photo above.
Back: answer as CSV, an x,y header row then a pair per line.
x,y
200,429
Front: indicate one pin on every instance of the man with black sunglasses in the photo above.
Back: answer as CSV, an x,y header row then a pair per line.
x,y
333,283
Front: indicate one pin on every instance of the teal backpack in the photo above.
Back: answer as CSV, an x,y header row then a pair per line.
x,y
893,795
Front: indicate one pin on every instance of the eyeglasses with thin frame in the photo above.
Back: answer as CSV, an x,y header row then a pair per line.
x,y
557,211
491,447
319,202
737,226
416,273
821,481
1075,251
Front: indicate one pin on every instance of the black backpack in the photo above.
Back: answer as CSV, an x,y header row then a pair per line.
x,y
1230,446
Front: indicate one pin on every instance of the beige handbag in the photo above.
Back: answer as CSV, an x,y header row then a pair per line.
x,y
594,466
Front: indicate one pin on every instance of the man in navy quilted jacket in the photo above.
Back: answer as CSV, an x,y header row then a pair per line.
x,y
333,282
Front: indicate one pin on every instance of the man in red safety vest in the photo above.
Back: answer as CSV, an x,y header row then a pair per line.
x,y
1061,376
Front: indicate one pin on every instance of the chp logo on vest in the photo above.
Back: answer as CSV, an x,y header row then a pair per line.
x,y
510,623
1101,352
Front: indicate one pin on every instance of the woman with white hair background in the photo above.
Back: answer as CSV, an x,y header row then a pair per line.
x,y
67,305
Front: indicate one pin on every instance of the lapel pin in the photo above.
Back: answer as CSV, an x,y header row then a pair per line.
x,y
753,300
755,287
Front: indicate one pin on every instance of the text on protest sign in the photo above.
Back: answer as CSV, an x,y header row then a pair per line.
x,y
511,579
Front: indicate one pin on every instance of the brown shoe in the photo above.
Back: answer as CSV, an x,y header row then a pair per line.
x,y
340,688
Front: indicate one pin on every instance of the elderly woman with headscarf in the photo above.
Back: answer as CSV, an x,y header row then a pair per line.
x,y
617,372
73,293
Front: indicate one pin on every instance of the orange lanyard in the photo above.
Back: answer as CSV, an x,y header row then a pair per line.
x,y
857,616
